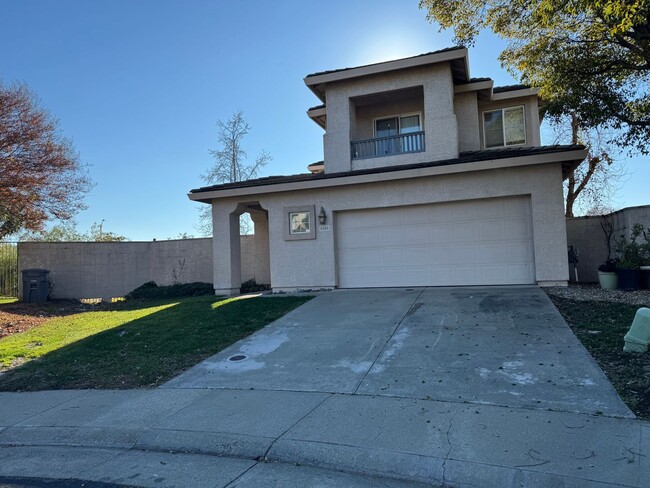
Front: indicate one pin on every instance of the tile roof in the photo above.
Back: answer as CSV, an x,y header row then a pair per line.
x,y
464,157
507,88
477,80
447,49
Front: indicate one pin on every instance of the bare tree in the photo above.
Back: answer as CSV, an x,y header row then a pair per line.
x,y
231,165
591,187
41,178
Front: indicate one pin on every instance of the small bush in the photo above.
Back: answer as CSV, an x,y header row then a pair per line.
x,y
251,286
152,290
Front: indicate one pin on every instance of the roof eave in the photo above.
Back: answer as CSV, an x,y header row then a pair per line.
x,y
569,159
318,115
397,64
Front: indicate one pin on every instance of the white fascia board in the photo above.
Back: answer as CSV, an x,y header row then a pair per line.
x,y
575,155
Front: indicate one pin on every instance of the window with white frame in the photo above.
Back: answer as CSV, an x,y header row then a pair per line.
x,y
504,127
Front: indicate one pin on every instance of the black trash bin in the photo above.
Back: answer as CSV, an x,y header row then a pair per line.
x,y
35,285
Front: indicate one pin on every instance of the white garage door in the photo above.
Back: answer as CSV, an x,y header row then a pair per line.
x,y
479,242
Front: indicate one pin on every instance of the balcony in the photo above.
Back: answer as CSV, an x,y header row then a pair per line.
x,y
411,142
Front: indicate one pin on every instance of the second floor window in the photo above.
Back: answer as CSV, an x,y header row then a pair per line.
x,y
392,126
504,127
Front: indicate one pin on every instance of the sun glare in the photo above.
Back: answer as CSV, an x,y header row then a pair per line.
x,y
388,48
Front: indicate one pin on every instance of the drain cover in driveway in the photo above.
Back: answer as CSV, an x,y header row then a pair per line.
x,y
238,357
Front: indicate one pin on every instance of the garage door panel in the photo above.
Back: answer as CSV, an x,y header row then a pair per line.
x,y
392,256
387,237
518,252
461,243
520,271
494,253
517,228
440,275
491,230
495,273
466,253
441,232
465,231
442,255
417,256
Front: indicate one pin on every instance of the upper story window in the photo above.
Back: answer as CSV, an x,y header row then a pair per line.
x,y
402,124
504,127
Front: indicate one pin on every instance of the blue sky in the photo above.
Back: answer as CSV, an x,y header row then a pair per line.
x,y
138,85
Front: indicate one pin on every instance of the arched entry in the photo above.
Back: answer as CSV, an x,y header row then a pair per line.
x,y
240,258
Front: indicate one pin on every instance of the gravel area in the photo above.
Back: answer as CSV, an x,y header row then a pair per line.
x,y
593,292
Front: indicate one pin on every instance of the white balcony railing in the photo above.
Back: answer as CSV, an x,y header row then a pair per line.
x,y
388,146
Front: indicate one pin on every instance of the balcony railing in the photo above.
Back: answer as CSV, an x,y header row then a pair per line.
x,y
388,146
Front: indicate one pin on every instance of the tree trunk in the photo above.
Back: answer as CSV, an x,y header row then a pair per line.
x,y
571,193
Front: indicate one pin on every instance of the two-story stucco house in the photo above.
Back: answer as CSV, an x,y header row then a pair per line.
x,y
429,178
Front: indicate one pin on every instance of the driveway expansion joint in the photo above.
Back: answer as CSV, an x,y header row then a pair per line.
x,y
412,308
294,424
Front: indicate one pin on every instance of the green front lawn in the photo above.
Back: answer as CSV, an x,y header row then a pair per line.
x,y
132,344
7,300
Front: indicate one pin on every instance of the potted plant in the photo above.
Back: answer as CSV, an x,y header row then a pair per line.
x,y
631,257
607,275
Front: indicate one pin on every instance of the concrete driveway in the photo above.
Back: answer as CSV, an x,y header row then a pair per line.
x,y
505,346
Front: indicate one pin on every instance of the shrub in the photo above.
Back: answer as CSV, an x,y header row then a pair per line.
x,y
252,286
608,266
152,290
632,253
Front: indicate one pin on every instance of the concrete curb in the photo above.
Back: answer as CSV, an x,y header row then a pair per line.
x,y
439,442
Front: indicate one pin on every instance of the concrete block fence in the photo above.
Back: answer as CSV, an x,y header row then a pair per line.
x,y
112,269
587,236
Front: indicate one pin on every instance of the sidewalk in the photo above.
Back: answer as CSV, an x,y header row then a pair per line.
x,y
224,437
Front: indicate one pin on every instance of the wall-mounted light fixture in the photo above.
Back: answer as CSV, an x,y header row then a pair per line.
x,y
322,216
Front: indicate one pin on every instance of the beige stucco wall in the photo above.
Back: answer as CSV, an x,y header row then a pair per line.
x,y
112,269
466,110
531,113
312,263
587,236
441,132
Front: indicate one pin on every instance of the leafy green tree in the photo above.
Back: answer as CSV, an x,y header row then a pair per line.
x,y
588,57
